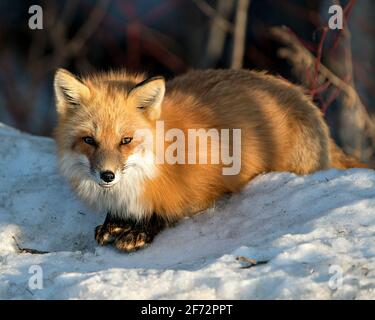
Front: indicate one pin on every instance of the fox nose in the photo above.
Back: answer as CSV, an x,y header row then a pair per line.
x,y
107,176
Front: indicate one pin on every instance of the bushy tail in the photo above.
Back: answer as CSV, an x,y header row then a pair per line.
x,y
341,160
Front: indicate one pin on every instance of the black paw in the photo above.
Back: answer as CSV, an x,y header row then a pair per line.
x,y
132,240
128,235
107,233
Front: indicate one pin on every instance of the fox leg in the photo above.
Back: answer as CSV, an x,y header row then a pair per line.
x,y
110,229
129,235
140,235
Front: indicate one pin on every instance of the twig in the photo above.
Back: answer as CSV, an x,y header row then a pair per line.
x,y
251,262
27,250
93,21
63,48
29,291
318,61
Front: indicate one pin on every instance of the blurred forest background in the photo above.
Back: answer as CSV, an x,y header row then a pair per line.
x,y
289,38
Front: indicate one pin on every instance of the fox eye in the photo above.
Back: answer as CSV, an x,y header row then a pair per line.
x,y
126,140
89,140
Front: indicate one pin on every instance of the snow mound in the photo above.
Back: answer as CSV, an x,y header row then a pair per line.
x,y
315,235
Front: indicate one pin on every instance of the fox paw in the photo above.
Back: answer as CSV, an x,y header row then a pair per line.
x,y
128,235
132,240
107,233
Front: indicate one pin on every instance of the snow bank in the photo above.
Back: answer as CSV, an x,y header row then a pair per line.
x,y
316,232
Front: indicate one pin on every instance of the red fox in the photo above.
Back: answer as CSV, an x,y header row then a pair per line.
x,y
99,117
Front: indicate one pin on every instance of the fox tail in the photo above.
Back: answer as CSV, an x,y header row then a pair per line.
x,y
341,160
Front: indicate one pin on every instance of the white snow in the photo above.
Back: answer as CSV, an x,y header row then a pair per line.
x,y
317,233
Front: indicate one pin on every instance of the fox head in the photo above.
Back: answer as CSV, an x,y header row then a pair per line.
x,y
98,120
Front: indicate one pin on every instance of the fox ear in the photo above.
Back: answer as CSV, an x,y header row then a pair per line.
x,y
148,96
69,90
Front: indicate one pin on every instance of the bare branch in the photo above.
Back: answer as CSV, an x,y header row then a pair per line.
x,y
217,35
303,63
86,31
240,34
213,14
301,58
